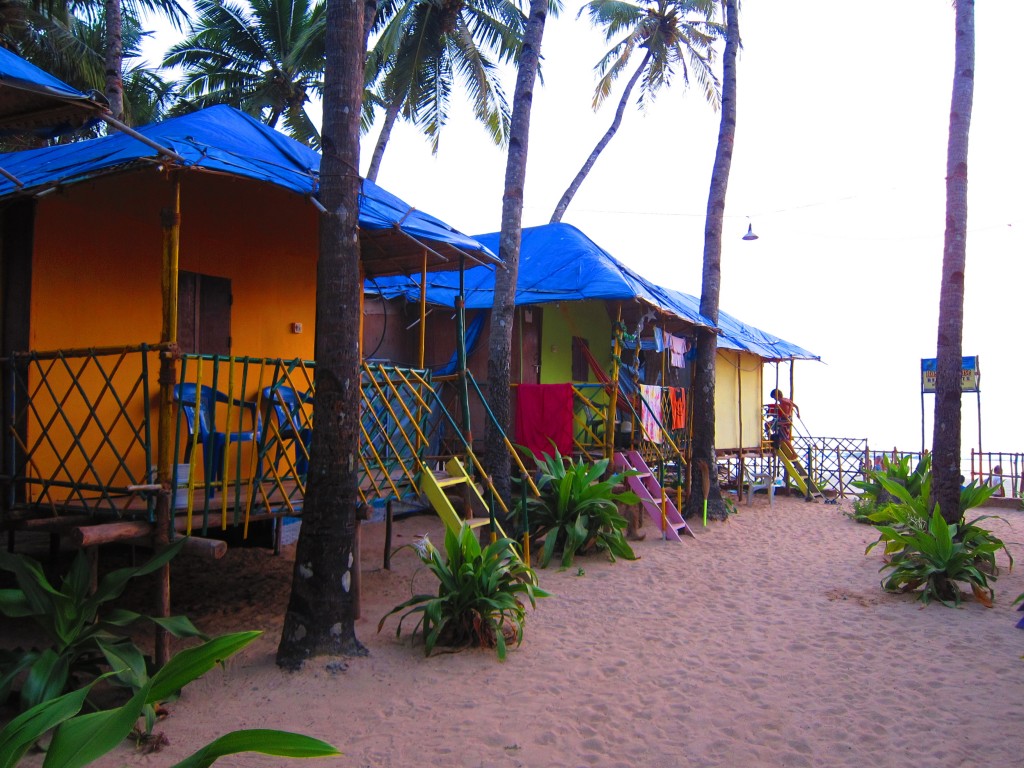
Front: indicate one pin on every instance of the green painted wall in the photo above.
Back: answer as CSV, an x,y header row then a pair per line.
x,y
564,320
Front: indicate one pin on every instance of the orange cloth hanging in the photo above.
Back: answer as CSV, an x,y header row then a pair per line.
x,y
677,399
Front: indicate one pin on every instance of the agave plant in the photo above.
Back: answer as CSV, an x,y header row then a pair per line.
x,y
578,510
873,494
480,594
923,550
935,560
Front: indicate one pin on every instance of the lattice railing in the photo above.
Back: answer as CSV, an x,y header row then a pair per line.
x,y
77,428
833,462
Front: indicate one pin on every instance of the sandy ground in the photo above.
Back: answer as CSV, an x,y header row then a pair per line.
x,y
765,641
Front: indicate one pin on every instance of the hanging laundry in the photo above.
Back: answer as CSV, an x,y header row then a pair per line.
x,y
677,351
544,411
659,339
677,399
650,415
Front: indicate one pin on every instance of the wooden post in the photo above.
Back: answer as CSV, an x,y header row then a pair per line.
x,y
839,463
609,430
389,522
171,225
423,313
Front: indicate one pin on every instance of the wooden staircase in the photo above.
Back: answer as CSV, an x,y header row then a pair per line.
x,y
652,495
435,487
795,469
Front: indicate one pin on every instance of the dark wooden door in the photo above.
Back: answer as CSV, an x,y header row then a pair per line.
x,y
526,365
204,314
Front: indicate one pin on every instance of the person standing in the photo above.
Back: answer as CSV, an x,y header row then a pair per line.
x,y
783,409
996,480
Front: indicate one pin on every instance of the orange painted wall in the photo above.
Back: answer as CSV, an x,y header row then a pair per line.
x,y
98,248
96,276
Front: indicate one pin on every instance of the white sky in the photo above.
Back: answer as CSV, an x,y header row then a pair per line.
x,y
840,165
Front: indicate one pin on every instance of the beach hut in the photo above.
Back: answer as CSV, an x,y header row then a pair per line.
x,y
583,318
158,322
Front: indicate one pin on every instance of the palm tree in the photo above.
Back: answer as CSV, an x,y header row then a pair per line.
x,y
265,57
946,431
70,40
320,619
703,438
673,34
499,374
423,46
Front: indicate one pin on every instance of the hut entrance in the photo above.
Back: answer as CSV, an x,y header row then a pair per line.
x,y
204,314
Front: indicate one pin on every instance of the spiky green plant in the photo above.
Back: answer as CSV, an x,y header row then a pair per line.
x,y
923,551
479,599
577,509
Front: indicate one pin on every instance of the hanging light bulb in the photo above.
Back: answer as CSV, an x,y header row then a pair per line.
x,y
750,232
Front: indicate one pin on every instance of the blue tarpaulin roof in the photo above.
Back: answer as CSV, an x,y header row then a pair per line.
x,y
35,101
557,262
222,139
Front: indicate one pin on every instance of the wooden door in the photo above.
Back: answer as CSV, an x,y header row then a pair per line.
x,y
204,314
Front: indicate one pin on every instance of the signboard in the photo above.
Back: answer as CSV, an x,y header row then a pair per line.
x,y
970,374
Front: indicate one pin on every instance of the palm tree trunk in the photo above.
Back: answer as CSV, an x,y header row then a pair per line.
x,y
703,439
114,86
320,619
390,118
946,431
570,193
499,373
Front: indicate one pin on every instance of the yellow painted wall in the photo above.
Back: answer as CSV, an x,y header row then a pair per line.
x,y
737,400
588,319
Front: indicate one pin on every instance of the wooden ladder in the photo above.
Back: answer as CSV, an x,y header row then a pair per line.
x,y
795,469
434,487
652,495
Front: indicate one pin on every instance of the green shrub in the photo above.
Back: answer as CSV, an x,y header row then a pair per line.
x,y
82,739
85,633
578,510
874,496
923,551
479,597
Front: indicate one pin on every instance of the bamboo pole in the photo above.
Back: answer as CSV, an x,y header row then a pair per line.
x,y
609,430
171,226
467,429
423,313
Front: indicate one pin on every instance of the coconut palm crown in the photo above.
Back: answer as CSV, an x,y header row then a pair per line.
x,y
265,57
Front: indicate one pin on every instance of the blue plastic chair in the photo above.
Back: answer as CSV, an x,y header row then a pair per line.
x,y
291,424
200,414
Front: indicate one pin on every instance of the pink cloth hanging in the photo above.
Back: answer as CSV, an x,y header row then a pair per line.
x,y
650,415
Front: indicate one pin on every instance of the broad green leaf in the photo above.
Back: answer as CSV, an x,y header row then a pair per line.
x,y
268,742
191,663
14,604
180,626
24,730
126,659
113,584
47,678
32,579
83,739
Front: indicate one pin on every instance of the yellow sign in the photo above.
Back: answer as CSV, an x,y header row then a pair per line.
x,y
970,374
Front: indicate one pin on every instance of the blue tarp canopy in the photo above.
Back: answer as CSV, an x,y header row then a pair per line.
x,y
36,102
557,262
221,139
